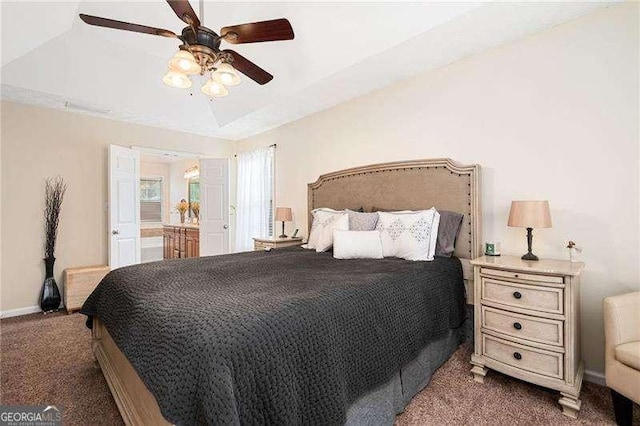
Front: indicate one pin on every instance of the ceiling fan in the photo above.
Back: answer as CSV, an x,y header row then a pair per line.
x,y
200,51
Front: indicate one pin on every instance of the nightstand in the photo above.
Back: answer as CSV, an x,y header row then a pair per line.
x,y
527,323
275,243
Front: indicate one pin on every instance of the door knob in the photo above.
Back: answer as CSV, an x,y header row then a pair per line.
x,y
115,232
225,226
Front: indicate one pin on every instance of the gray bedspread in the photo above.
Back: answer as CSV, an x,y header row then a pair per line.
x,y
283,337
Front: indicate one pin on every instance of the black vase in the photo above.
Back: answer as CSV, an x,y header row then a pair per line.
x,y
50,295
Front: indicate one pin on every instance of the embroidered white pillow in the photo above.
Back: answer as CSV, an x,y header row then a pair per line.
x,y
337,222
357,245
321,217
409,235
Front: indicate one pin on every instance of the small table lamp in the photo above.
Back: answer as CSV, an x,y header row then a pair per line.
x,y
530,214
283,214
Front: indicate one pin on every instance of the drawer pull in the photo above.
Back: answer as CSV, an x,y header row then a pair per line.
x,y
517,295
516,275
517,326
517,355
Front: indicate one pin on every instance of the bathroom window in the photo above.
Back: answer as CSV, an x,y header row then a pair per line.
x,y
151,200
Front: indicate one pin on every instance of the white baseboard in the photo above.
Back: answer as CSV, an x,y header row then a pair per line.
x,y
594,377
21,311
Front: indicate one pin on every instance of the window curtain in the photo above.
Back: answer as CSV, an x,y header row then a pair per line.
x,y
254,196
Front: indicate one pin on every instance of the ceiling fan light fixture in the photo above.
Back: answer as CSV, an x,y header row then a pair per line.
x,y
177,80
184,62
214,89
226,74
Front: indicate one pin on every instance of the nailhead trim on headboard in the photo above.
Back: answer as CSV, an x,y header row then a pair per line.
x,y
472,172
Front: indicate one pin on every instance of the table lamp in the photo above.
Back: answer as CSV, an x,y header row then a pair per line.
x,y
283,214
530,214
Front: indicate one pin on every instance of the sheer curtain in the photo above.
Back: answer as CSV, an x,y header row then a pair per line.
x,y
254,196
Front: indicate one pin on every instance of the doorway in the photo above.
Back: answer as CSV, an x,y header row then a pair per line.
x,y
166,196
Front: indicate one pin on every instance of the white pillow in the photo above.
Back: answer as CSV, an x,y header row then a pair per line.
x,y
357,245
338,222
321,217
409,235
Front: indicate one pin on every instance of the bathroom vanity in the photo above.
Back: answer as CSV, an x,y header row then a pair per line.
x,y
181,241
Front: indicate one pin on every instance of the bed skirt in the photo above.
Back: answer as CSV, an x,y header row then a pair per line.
x,y
380,406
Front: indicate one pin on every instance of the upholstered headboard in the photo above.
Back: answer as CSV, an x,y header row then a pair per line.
x,y
411,185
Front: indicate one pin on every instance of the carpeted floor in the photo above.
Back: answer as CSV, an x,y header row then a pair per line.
x,y
48,360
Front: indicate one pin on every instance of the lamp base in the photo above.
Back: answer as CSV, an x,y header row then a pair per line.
x,y
529,255
283,235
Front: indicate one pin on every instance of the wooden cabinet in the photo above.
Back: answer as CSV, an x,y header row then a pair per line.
x,y
527,323
274,243
181,241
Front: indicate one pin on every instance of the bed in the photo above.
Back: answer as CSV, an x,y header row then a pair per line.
x,y
292,336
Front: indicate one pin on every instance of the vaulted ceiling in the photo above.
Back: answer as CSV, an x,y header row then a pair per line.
x,y
340,51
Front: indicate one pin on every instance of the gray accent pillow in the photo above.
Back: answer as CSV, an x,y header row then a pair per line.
x,y
450,224
362,221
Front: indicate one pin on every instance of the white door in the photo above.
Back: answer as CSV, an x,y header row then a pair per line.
x,y
124,206
214,206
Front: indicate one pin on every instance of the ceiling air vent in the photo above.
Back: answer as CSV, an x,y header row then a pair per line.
x,y
86,108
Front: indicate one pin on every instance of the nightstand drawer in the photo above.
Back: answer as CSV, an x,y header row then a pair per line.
x,y
530,297
535,329
259,246
501,273
526,358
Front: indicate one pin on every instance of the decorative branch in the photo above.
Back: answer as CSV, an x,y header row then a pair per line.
x,y
182,206
54,194
195,208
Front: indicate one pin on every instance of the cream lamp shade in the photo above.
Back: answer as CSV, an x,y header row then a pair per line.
x,y
283,214
530,214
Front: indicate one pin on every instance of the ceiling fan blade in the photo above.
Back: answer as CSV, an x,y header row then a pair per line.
x,y
249,69
183,9
119,25
278,29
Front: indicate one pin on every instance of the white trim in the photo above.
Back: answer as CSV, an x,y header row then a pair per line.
x,y
595,377
20,311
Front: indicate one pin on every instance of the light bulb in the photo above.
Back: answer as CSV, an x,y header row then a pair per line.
x,y
226,78
214,89
176,79
184,62
225,74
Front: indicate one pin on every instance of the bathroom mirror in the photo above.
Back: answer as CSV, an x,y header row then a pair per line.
x,y
194,192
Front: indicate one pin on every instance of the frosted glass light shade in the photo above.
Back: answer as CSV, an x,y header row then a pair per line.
x,y
214,89
226,74
176,79
530,214
184,62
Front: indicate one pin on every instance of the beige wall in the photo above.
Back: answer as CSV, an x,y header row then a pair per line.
x,y
553,116
37,143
